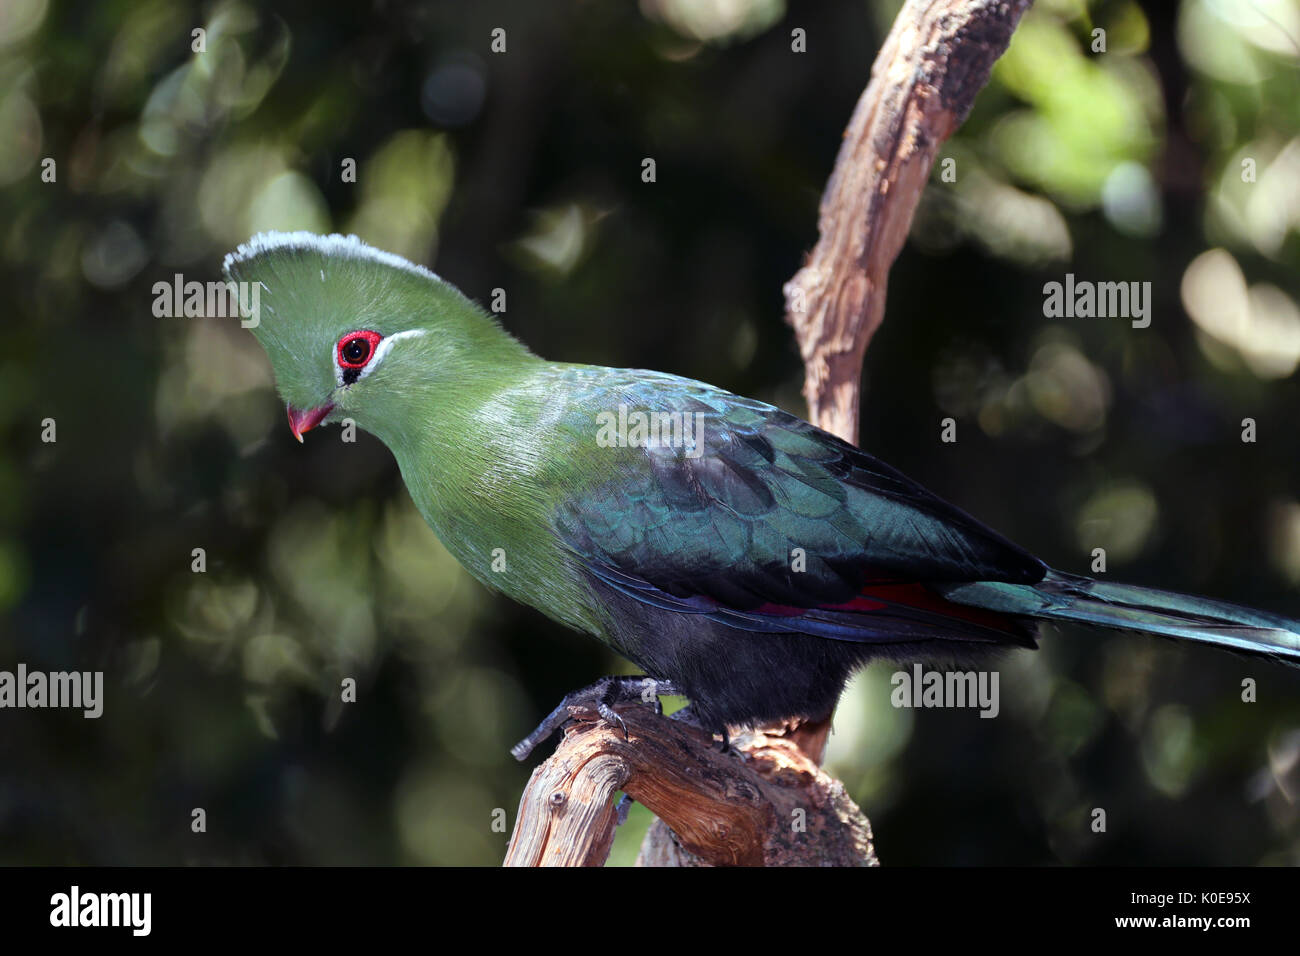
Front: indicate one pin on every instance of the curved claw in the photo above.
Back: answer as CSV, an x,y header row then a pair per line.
x,y
611,716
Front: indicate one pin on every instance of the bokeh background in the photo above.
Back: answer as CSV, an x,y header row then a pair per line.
x,y
522,171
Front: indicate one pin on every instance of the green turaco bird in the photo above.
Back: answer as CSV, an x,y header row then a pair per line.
x,y
739,555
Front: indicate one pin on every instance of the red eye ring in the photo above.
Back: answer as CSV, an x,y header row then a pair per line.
x,y
356,349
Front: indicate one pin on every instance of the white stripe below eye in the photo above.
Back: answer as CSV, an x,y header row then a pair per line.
x,y
381,350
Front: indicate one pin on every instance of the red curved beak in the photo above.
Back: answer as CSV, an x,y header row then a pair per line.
x,y
304,420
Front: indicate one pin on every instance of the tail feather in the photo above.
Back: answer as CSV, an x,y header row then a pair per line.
x,y
1067,597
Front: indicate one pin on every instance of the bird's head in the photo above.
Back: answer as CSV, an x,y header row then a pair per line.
x,y
352,331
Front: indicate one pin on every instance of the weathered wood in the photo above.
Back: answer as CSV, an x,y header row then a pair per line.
x,y
935,60
765,804
566,817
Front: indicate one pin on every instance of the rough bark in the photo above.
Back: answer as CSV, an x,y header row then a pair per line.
x,y
764,803
935,60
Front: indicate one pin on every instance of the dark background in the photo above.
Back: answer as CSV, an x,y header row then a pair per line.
x,y
522,171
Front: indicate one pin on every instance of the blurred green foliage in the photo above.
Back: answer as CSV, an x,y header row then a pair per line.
x,y
522,171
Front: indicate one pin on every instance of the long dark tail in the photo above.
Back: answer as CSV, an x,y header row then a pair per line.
x,y
1068,597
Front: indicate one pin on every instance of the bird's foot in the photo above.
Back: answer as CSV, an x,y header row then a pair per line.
x,y
600,697
688,716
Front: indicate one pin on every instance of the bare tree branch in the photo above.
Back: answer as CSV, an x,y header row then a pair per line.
x,y
766,804
935,60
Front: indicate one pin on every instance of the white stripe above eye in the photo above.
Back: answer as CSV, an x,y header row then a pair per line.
x,y
381,351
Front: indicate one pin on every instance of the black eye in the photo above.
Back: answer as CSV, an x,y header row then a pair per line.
x,y
355,351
